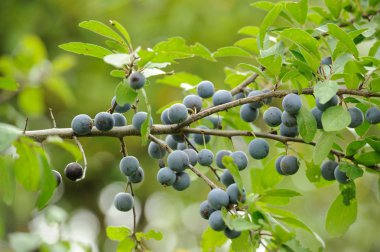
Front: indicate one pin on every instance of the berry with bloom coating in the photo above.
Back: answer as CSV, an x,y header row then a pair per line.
x,y
258,148
81,124
221,97
205,89
123,201
136,80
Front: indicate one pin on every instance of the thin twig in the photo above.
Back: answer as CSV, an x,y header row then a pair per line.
x,y
52,118
26,125
133,208
83,155
123,147
246,82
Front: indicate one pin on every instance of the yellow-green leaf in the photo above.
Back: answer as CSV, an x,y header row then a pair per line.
x,y
85,49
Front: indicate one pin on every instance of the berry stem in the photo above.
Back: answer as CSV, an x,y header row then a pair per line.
x,y
83,156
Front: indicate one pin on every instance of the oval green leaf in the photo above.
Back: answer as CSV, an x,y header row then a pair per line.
x,y
335,119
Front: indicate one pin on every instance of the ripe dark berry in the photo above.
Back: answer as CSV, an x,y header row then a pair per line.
x,y
205,157
74,171
289,165
292,103
137,177
166,176
205,210
139,118
57,177
81,124
123,202
328,168
221,97
119,120
182,181
218,198
193,102
205,89
104,121
373,115
136,80
258,148
177,113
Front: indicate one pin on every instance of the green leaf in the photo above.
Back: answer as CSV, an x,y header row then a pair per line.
x,y
307,45
340,216
298,10
202,51
8,83
335,118
118,73
374,142
172,49
231,51
268,21
352,74
281,193
118,60
7,179
368,158
48,182
249,44
126,245
27,165
67,146
151,234
148,72
85,49
180,79
249,30
352,171
101,29
299,224
353,147
313,172
124,93
228,162
122,30
335,7
325,90
323,146
243,243
118,233
344,38
272,63
307,125
238,223
35,94
295,245
212,239
8,134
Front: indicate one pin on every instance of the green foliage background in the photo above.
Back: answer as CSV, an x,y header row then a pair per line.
x,y
32,30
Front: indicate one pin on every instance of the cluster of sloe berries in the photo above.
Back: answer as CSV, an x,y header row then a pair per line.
x,y
104,121
130,167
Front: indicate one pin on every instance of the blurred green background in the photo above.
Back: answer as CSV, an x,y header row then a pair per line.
x,y
30,32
